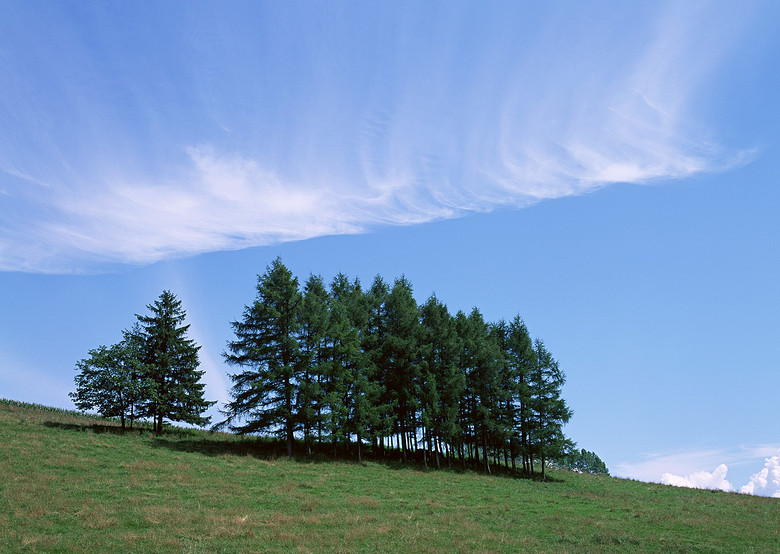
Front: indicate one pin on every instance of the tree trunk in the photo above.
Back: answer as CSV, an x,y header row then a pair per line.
x,y
484,453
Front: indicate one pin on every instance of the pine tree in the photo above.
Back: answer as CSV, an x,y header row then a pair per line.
x,y
170,361
267,351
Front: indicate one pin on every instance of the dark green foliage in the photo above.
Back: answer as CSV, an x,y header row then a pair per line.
x,y
315,313
583,461
111,381
401,356
548,409
170,361
267,351
352,371
152,373
521,360
442,381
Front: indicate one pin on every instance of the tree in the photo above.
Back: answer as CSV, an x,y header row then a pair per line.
x,y
344,359
584,461
442,382
267,351
401,354
480,365
374,346
111,381
170,361
521,359
548,408
313,340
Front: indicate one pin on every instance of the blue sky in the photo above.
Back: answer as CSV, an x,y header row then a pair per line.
x,y
606,170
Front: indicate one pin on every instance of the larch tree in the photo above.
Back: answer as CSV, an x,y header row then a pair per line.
x,y
315,313
374,346
521,359
401,355
548,409
268,355
443,382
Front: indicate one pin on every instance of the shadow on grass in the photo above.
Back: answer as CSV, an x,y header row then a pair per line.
x,y
262,448
269,450
95,428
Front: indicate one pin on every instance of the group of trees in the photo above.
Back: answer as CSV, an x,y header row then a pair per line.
x,y
349,369
583,461
344,369
151,374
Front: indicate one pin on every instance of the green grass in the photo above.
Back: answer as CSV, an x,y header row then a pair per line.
x,y
72,483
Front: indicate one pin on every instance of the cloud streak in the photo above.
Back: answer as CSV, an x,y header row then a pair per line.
x,y
311,133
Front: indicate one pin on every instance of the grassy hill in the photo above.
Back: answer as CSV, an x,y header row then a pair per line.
x,y
72,483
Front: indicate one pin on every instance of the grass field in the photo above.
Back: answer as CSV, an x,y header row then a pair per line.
x,y
69,483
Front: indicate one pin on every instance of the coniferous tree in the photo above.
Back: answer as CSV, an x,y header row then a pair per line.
x,y
169,360
315,313
584,461
344,355
504,409
483,379
521,359
443,382
374,345
402,358
548,408
267,351
365,366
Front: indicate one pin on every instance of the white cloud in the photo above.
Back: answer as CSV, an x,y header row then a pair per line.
x,y
767,481
700,479
654,465
570,111
684,469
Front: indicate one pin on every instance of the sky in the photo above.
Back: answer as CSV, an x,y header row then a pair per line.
x,y
606,170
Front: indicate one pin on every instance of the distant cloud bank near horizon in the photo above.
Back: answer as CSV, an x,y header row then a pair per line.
x,y
131,137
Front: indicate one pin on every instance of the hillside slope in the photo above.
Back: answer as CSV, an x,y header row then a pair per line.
x,y
72,483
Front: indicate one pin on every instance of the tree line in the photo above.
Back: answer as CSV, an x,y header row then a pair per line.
x,y
336,367
351,369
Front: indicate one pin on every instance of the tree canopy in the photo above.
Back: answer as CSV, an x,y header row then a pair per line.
x,y
153,372
349,368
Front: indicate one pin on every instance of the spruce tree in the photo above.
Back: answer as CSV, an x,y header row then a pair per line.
x,y
267,353
170,361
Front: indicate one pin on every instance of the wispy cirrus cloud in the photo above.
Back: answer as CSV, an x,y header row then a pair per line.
x,y
260,140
